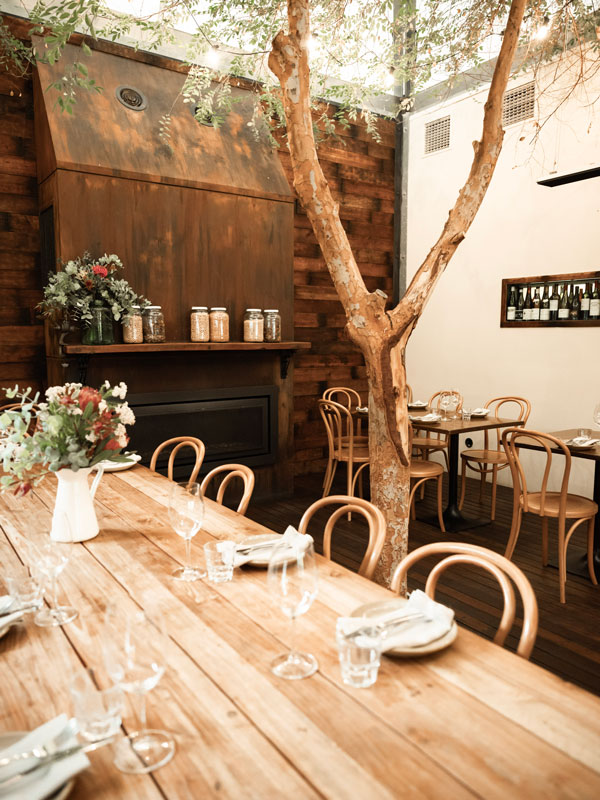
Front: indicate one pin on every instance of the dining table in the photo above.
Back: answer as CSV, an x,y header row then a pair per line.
x,y
452,427
470,721
577,561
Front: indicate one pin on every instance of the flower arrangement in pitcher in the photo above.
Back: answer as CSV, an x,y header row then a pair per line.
x,y
76,427
87,281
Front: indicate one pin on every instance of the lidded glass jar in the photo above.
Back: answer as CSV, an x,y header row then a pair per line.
x,y
199,324
254,325
132,327
272,325
153,323
219,324
100,329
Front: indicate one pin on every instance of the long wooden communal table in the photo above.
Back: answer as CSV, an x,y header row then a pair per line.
x,y
454,520
472,721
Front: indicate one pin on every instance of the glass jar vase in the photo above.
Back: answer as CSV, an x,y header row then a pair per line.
x,y
133,332
100,330
272,325
153,323
219,324
199,324
254,325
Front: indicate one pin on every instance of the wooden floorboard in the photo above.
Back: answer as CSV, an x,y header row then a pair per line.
x,y
568,641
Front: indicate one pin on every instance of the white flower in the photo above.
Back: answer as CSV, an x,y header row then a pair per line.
x,y
74,410
125,414
91,437
53,393
105,385
102,406
120,390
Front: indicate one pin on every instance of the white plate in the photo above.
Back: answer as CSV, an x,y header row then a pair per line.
x,y
6,739
480,412
119,466
581,445
261,560
417,404
431,418
371,610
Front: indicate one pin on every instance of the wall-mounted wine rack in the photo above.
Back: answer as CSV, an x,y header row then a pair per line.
x,y
586,312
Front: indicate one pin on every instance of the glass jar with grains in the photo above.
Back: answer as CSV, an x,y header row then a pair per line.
x,y
254,325
219,324
199,324
132,327
153,323
272,325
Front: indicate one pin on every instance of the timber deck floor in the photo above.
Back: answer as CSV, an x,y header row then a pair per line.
x,y
568,640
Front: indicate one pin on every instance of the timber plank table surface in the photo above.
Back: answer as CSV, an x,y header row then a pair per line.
x,y
454,520
474,720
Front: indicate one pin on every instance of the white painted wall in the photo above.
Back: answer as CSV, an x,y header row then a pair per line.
x,y
521,229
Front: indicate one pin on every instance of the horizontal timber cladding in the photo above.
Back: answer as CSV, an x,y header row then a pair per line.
x,y
21,333
360,173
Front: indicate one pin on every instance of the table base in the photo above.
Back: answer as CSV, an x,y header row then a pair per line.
x,y
454,521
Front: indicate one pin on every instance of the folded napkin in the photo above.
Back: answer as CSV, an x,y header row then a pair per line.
x,y
10,619
436,621
38,785
417,404
425,418
480,412
6,602
362,409
582,441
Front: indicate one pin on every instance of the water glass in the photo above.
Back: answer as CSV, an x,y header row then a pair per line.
x,y
584,433
98,711
466,413
360,655
27,591
219,560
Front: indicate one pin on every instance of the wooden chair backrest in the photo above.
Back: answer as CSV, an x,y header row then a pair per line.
x,y
343,395
409,394
16,407
338,423
372,514
498,407
234,471
510,442
180,441
499,566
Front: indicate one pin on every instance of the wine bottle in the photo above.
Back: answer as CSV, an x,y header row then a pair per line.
x,y
585,302
512,304
575,306
595,303
527,306
553,302
535,305
545,304
563,304
520,304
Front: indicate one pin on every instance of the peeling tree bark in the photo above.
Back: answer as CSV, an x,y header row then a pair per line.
x,y
382,335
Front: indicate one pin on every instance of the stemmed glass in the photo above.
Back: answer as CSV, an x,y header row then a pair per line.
x,y
135,655
186,513
454,402
293,581
445,403
49,561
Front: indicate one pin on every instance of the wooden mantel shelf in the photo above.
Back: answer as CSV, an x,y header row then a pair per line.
x,y
166,347
285,350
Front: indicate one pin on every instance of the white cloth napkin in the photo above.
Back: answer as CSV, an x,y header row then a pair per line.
x,y
425,418
50,778
362,409
581,441
436,623
480,412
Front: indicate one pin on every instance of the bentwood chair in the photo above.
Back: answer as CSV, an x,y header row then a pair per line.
x,y
343,444
371,513
499,566
233,471
17,407
409,394
347,397
179,442
420,472
430,441
561,505
492,458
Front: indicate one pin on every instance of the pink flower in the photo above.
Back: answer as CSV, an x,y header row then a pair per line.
x,y
98,270
89,395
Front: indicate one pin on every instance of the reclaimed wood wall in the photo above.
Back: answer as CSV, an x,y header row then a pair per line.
x,y
21,334
361,175
360,172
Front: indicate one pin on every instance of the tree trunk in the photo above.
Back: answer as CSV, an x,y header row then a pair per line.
x,y
382,335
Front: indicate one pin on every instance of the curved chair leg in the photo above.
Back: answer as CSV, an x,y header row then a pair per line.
x,y
411,497
439,504
463,484
514,534
482,482
327,470
590,551
562,560
327,488
544,541
494,486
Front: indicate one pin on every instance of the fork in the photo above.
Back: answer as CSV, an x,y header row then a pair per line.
x,y
44,751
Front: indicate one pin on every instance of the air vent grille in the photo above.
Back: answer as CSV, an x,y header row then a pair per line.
x,y
131,98
518,104
437,135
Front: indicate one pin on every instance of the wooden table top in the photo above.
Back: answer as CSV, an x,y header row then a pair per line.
x,y
454,426
473,720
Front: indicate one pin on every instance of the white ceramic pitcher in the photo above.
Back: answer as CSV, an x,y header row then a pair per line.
x,y
74,518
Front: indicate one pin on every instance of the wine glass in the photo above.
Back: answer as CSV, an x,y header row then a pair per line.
x,y
135,648
445,403
186,513
49,560
597,415
293,582
454,402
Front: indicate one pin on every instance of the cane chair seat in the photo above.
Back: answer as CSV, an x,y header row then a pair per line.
x,y
576,505
486,456
425,469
